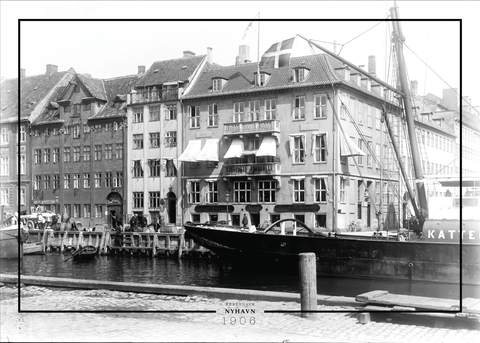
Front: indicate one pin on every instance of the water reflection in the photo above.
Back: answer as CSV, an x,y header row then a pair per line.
x,y
216,273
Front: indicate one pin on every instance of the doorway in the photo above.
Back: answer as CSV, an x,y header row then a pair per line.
x,y
172,207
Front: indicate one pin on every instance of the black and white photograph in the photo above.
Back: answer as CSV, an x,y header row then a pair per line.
x,y
239,171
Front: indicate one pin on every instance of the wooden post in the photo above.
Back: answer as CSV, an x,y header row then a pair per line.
x,y
45,240
181,242
282,228
102,242
80,238
63,235
107,242
308,283
96,242
154,245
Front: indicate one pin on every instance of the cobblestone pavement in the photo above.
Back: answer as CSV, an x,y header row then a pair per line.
x,y
188,326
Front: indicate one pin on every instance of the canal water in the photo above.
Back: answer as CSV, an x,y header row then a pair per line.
x,y
217,273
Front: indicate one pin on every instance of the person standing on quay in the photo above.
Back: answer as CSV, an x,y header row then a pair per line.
x,y
245,221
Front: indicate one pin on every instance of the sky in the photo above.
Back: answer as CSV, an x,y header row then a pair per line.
x,y
107,49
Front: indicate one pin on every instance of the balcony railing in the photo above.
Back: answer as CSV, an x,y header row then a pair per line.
x,y
253,169
153,96
269,125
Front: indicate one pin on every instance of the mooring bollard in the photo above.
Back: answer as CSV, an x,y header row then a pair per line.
x,y
308,283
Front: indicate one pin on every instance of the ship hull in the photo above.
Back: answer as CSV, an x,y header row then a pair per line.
x,y
9,246
403,260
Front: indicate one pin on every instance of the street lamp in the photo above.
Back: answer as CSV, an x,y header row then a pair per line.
x,y
227,197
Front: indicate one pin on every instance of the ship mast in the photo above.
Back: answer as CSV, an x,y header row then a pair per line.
x,y
398,39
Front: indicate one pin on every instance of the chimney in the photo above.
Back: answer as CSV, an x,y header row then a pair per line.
x,y
243,55
51,69
450,99
188,54
22,73
372,65
209,55
414,87
141,70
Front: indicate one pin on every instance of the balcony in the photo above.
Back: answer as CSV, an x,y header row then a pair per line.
x,y
153,96
253,169
261,126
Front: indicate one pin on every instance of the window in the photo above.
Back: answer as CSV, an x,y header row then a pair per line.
x,y
68,109
137,169
320,147
46,155
56,154
270,109
138,141
194,114
377,155
86,180
171,112
154,113
216,85
299,190
238,111
154,199
361,111
138,199
298,148
76,181
86,210
76,210
86,153
369,115
23,164
137,115
87,107
56,181
23,196
66,154
108,126
97,127
212,192
299,108
320,189
98,180
98,211
360,146
377,192
300,74
320,106
241,191
263,79
76,153
76,131
108,180
154,139
4,165
98,152
37,182
369,155
66,181
118,180
254,110
212,115
342,190
38,156
46,181
378,118
118,151
5,199
194,192
4,136
154,168
86,129
267,191
23,134
171,138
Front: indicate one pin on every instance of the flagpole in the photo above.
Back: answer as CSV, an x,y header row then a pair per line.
x,y
258,51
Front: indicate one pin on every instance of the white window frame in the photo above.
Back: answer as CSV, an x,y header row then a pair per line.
x,y
320,106
23,134
299,150
270,109
238,111
5,165
137,141
171,138
5,136
137,116
254,110
242,192
154,140
98,180
267,189
320,148
212,192
195,192
23,164
138,199
343,198
66,181
86,210
46,181
212,115
23,196
4,197
320,190
299,102
154,113
299,191
76,181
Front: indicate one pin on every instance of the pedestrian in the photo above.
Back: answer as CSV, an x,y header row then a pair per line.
x,y
113,219
144,221
41,222
133,222
245,221
54,223
156,225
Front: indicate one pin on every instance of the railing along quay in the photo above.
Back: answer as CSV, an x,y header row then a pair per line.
x,y
151,244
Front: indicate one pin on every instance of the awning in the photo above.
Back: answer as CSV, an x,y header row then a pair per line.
x,y
268,147
348,147
209,151
249,152
236,148
191,152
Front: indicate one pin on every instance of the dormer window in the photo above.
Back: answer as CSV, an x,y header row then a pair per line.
x,y
345,72
262,81
300,74
218,84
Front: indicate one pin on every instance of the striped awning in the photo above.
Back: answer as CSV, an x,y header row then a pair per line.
x,y
236,149
268,147
209,152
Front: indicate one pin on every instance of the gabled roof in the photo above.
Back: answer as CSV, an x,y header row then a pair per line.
x,y
179,69
94,86
33,90
241,78
116,89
